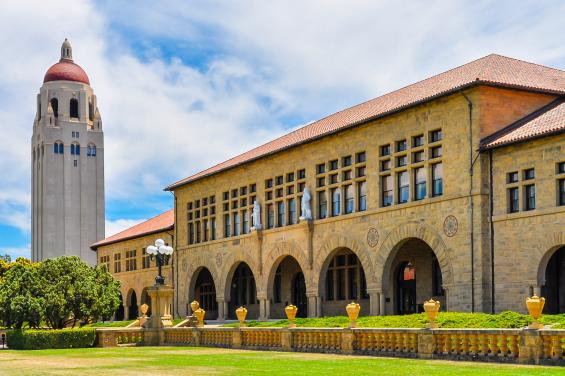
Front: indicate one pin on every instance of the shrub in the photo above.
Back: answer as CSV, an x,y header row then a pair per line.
x,y
50,339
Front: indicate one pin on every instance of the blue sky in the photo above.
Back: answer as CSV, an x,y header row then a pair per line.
x,y
210,79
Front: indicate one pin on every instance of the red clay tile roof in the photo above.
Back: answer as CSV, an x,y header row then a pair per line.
x,y
162,222
546,121
489,70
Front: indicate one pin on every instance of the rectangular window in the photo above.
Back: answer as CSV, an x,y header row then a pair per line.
x,y
349,199
418,156
436,135
234,193
403,187
340,284
361,171
226,195
205,229
290,177
417,141
437,179
561,168
191,233
302,174
561,193
246,222
346,175
145,259
387,190
336,201
279,192
513,200
512,177
227,226
360,157
401,145
280,212
385,150
420,183
321,182
362,196
529,174
197,225
290,190
346,161
213,229
333,179
291,212
269,183
333,165
330,285
530,197
278,180
322,205
321,168
436,152
385,165
401,161
236,224
117,263
270,216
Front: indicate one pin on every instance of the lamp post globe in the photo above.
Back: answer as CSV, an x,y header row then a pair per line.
x,y
161,252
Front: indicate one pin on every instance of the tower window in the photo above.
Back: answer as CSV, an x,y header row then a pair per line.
x,y
55,106
75,149
58,148
91,151
74,108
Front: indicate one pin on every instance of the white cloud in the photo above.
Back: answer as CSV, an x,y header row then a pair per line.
x,y
14,253
118,225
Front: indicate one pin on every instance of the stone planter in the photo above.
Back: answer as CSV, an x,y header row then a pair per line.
x,y
535,308
431,307
353,310
291,311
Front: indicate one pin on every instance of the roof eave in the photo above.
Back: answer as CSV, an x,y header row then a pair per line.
x,y
95,246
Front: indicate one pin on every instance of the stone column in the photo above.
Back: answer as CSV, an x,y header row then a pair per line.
x,y
374,301
531,346
226,309
382,304
313,299
319,306
425,344
264,308
221,312
347,341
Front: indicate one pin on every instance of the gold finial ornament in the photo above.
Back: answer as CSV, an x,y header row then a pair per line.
x,y
241,313
431,307
291,310
535,308
194,306
353,310
144,309
200,313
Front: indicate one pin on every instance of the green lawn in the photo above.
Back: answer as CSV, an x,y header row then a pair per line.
x,y
210,361
445,320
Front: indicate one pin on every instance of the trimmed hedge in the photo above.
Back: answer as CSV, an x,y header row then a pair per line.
x,y
50,339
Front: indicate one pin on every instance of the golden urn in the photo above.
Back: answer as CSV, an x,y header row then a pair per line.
x,y
535,307
241,313
431,307
352,310
144,308
291,310
194,305
200,313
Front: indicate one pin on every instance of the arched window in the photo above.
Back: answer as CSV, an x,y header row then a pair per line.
x,y
58,147
55,106
74,108
91,151
61,148
75,149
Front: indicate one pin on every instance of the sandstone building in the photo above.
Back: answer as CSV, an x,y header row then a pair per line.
x,y
67,150
451,188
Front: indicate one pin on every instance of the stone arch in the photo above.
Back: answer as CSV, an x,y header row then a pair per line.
x,y
274,258
410,230
547,247
333,244
233,261
194,265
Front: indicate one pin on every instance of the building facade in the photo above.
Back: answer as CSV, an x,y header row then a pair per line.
x,y
451,188
67,149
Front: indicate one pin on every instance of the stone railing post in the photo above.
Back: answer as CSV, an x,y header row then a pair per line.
x,y
347,338
196,335
286,340
425,343
531,346
236,339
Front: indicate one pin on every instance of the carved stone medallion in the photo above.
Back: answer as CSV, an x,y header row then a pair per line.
x,y
218,260
372,237
184,265
450,225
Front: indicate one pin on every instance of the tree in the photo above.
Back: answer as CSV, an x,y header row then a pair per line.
x,y
76,292
7,258
20,295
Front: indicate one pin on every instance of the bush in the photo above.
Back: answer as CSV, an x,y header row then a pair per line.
x,y
50,339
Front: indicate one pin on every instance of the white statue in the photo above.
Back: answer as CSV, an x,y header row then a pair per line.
x,y
256,215
306,210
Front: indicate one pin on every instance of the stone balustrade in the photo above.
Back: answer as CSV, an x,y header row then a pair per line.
x,y
499,345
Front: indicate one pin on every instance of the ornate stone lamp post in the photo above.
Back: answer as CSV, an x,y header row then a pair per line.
x,y
161,253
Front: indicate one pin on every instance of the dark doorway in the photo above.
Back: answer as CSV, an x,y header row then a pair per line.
x,y
406,289
132,311
554,289
205,293
242,290
120,311
146,299
299,295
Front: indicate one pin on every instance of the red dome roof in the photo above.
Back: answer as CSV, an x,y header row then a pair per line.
x,y
66,70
